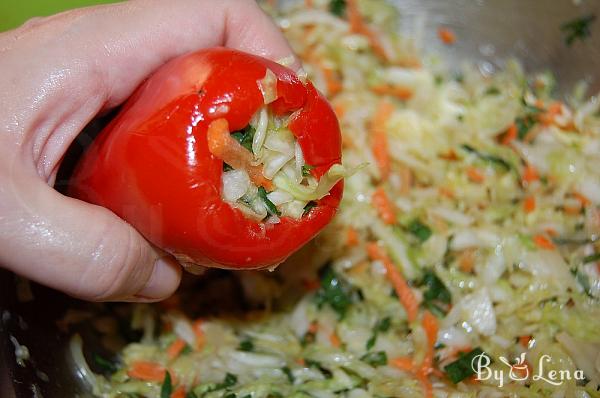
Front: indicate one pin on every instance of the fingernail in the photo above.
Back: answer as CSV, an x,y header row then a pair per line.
x,y
163,281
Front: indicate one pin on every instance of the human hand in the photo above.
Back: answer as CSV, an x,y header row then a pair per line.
x,y
58,74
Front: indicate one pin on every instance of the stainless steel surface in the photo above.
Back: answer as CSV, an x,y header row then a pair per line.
x,y
488,32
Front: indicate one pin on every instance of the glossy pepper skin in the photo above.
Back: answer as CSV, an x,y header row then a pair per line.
x,y
152,167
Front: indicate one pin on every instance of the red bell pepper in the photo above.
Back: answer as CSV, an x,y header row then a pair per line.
x,y
152,166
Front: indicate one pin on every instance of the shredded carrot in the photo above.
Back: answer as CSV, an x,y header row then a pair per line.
x,y
551,232
175,348
179,392
379,139
358,25
581,198
510,135
572,210
447,192
308,3
475,175
530,174
147,371
549,117
466,260
199,332
301,361
543,243
529,204
431,327
426,384
223,146
334,85
334,339
447,36
383,205
403,363
402,93
404,292
339,109
450,156
352,238
313,327
524,340
381,154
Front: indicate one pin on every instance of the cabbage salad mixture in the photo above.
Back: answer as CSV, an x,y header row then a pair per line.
x,y
471,233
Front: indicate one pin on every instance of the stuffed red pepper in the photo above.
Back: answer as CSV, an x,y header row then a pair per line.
x,y
221,158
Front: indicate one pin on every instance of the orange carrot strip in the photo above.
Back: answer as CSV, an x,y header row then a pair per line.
x,y
447,36
402,93
199,332
339,109
530,174
147,371
313,327
406,177
380,143
511,135
383,205
334,339
404,292
475,175
426,384
466,260
529,204
543,243
358,25
447,192
308,3
572,210
175,348
549,117
352,238
381,154
581,198
334,85
403,363
223,146
524,341
431,327
551,232
179,392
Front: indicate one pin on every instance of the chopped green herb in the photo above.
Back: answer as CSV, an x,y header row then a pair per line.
x,y
438,80
462,368
578,29
229,381
435,309
246,345
377,358
337,7
306,170
309,206
495,160
591,258
288,373
191,394
382,326
524,124
105,364
584,282
167,386
492,91
271,208
334,292
436,290
245,136
421,231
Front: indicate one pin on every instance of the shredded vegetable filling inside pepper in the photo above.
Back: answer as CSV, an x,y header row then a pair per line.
x,y
264,172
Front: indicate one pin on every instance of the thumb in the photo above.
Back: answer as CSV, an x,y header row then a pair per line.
x,y
81,249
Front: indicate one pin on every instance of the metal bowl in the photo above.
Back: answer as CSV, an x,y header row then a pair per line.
x,y
488,32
